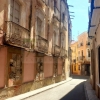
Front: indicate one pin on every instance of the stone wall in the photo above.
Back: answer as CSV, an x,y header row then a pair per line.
x,y
26,87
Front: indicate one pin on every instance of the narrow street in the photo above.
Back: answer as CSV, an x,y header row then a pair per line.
x,y
72,90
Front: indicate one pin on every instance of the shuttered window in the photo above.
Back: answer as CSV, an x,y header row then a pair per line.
x,y
14,11
39,26
56,38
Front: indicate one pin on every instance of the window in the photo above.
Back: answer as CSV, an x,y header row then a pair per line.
x,y
14,11
81,44
77,58
55,5
39,26
63,17
79,67
88,53
63,41
74,60
74,68
82,53
88,43
15,69
55,38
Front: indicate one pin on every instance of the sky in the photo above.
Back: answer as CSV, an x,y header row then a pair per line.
x,y
80,21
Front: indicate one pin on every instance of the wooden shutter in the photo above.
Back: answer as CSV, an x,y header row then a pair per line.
x,y
16,12
11,9
39,25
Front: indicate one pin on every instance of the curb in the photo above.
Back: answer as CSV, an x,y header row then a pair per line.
x,y
37,91
89,92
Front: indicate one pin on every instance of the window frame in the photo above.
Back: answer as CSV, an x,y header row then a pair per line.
x,y
9,11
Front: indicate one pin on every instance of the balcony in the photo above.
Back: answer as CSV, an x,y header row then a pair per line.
x,y
80,58
17,35
41,44
56,13
80,45
63,53
56,50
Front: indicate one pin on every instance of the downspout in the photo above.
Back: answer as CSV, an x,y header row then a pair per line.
x,y
30,24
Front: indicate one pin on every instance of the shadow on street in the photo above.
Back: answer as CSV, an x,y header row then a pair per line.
x,y
80,77
78,92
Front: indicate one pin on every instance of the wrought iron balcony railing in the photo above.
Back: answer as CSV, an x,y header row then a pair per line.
x,y
56,50
63,53
17,35
81,58
56,13
41,44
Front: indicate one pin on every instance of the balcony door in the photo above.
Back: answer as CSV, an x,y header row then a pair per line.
x,y
14,11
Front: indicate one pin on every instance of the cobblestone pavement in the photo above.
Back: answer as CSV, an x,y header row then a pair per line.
x,y
72,90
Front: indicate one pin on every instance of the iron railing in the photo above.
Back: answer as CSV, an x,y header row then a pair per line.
x,y
41,44
81,58
17,35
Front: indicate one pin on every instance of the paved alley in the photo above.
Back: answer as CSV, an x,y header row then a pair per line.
x,y
72,90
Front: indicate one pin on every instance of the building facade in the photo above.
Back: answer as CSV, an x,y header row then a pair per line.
x,y
34,44
81,55
94,34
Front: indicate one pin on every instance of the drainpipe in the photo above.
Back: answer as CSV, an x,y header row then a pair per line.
x,y
30,23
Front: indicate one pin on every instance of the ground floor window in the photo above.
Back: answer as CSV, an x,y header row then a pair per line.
x,y
39,69
15,69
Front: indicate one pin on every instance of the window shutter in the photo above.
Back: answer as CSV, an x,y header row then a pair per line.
x,y
11,9
14,11
39,26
